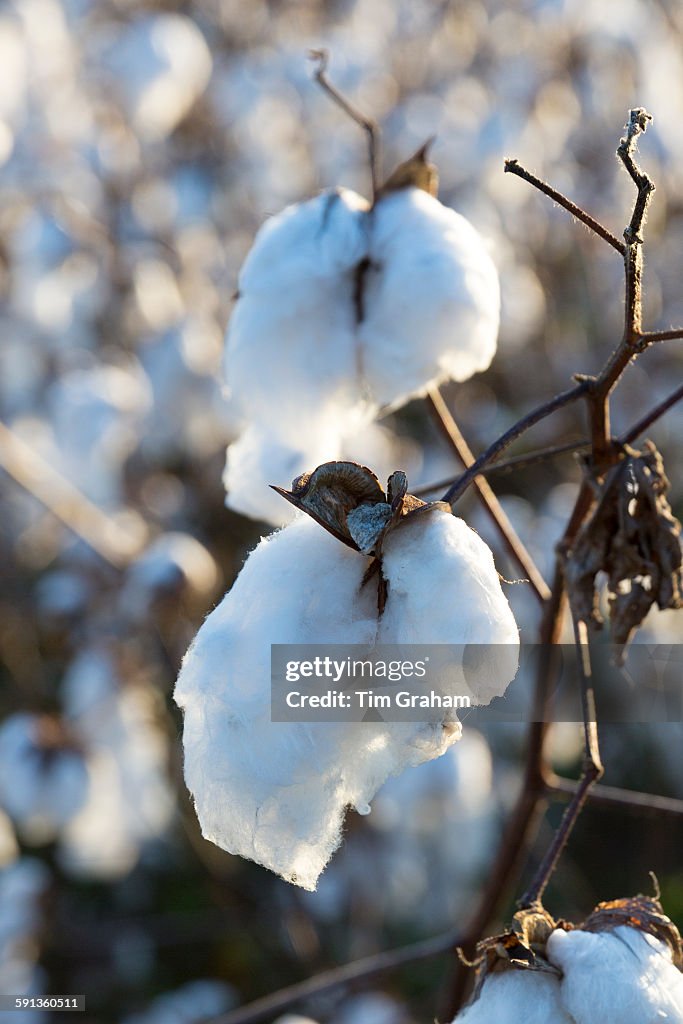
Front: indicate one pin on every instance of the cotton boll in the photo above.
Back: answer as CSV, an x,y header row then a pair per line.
x,y
277,792
445,590
290,342
431,298
623,976
517,995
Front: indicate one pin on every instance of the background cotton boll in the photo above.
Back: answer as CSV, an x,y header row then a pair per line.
x,y
43,782
431,298
623,976
517,995
191,1004
162,65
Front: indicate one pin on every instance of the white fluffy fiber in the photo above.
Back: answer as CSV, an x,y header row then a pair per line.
x,y
432,298
517,997
277,792
623,976
302,370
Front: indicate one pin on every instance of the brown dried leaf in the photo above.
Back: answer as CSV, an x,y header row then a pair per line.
x,y
634,538
416,171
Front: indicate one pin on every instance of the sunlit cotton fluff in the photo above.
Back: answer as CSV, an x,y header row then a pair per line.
x,y
623,976
342,310
513,996
276,793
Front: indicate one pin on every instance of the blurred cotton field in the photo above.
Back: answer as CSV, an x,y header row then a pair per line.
x,y
142,146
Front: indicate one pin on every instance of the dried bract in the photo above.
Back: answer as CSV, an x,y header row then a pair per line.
x,y
634,538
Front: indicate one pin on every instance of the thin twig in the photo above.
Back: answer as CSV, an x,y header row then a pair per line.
x,y
108,538
489,501
592,770
368,967
514,167
651,417
650,337
495,450
613,796
505,465
366,123
638,121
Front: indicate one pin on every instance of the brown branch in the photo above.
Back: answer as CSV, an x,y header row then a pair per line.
x,y
592,771
650,337
514,167
368,967
366,123
506,465
487,498
651,417
613,796
495,450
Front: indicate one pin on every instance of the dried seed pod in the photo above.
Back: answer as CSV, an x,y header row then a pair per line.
x,y
416,171
634,538
644,913
333,490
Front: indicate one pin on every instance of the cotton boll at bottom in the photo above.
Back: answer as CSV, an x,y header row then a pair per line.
x,y
431,298
513,996
277,792
623,976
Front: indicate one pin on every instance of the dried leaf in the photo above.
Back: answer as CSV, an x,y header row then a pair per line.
x,y
633,537
642,912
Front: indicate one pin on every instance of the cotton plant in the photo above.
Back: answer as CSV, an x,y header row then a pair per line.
x,y
346,308
621,966
386,568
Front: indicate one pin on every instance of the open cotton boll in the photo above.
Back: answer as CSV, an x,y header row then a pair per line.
x,y
431,298
291,343
277,792
513,996
623,976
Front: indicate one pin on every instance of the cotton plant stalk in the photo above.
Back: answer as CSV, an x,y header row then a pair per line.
x,y
346,308
357,565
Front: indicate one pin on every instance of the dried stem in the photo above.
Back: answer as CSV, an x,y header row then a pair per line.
x,y
651,417
514,463
514,167
366,123
369,967
649,337
108,538
489,501
495,450
613,796
592,771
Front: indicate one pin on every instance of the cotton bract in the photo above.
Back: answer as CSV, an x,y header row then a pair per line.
x,y
344,309
277,792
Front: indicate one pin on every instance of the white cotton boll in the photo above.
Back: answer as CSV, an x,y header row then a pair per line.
x,y
290,343
513,996
162,66
623,976
42,786
9,849
445,590
277,792
431,298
